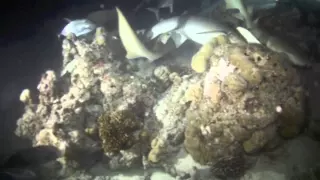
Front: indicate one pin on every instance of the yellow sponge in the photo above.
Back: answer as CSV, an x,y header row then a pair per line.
x,y
199,61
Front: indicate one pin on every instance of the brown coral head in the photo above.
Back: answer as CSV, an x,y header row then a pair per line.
x,y
229,167
116,130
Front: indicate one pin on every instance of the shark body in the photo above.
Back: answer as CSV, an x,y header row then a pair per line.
x,y
197,29
182,28
194,28
179,29
276,43
201,30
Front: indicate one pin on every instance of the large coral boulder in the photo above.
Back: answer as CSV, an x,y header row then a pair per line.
x,y
248,100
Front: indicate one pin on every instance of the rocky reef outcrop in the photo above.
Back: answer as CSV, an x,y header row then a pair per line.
x,y
241,101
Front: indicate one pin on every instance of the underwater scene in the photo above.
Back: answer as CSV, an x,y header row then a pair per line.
x,y
215,90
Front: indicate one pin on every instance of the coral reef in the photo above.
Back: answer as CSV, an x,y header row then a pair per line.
x,y
46,87
88,110
240,101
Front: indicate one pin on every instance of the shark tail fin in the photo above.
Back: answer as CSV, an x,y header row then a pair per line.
x,y
155,11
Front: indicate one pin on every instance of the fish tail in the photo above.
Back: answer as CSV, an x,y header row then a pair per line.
x,y
155,11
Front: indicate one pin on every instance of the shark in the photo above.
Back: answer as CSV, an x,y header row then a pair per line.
x,y
131,42
275,42
240,8
182,28
280,45
254,34
159,4
179,29
201,30
198,29
243,13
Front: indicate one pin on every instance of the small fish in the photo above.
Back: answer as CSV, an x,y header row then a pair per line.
x,y
132,44
78,27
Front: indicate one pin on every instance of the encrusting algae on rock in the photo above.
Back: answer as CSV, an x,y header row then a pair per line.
x,y
194,92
